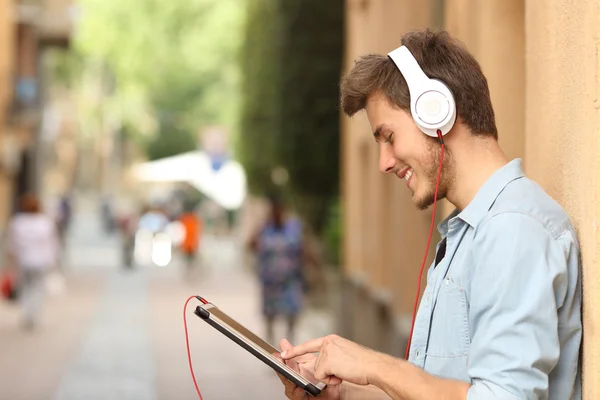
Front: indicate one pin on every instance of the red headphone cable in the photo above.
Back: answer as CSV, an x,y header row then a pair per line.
x,y
187,340
437,185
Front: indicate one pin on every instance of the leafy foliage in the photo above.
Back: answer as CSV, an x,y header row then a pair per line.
x,y
173,62
333,232
256,146
292,60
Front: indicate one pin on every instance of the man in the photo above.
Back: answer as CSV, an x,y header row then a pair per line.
x,y
500,317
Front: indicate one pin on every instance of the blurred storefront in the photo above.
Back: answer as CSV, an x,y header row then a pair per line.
x,y
27,28
542,64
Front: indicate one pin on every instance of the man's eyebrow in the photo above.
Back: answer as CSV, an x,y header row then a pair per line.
x,y
377,133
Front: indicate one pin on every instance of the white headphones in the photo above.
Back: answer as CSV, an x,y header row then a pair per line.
x,y
431,103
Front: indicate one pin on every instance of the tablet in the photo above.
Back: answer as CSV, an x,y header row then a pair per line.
x,y
259,348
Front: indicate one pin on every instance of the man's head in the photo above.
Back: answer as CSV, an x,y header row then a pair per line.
x,y
277,209
376,85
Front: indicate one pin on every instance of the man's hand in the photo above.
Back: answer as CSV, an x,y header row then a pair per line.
x,y
337,358
366,374
332,392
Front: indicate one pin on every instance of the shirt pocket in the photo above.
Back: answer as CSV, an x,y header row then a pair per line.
x,y
449,334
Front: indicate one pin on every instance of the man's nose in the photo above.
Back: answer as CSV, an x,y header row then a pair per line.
x,y
387,164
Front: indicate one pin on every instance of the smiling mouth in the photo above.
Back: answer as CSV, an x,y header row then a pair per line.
x,y
406,174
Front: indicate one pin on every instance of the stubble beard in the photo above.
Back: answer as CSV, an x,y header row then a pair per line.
x,y
430,174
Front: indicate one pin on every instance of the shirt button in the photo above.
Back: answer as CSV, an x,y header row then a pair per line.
x,y
418,353
447,281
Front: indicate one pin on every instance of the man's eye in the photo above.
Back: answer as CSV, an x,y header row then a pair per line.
x,y
389,137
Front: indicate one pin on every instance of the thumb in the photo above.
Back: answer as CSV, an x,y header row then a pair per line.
x,y
332,381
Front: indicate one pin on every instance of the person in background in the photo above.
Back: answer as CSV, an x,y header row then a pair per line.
x,y
192,226
127,224
153,219
33,248
108,214
279,247
152,236
65,211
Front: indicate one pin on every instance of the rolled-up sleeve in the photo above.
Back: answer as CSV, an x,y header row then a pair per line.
x,y
518,283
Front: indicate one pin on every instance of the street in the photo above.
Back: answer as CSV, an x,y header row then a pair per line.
x,y
118,334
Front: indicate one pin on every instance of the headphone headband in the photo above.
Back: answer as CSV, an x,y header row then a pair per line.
x,y
413,74
431,102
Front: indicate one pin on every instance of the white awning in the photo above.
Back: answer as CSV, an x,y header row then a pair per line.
x,y
227,186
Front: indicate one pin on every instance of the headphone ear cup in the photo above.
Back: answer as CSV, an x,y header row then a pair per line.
x,y
434,109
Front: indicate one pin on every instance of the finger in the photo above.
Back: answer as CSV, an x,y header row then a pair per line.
x,y
320,358
311,346
286,382
304,358
324,372
289,392
288,385
283,379
298,394
285,344
332,381
320,372
292,364
309,365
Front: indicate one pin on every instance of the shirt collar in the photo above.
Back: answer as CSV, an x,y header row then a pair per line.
x,y
486,196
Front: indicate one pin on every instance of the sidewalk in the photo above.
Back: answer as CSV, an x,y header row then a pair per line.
x,y
118,334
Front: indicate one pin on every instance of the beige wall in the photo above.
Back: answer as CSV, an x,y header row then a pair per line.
x,y
5,51
385,231
494,32
563,136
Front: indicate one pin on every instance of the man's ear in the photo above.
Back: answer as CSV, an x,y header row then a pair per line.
x,y
459,129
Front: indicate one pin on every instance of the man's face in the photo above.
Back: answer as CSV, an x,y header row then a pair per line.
x,y
407,152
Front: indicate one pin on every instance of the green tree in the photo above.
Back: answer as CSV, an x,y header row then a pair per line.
x,y
168,58
256,147
311,61
291,63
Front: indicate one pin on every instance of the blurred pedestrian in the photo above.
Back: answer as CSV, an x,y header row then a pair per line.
x,y
192,231
127,224
65,212
33,248
279,247
107,212
152,241
153,219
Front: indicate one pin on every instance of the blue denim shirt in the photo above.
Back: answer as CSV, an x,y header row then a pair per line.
x,y
502,310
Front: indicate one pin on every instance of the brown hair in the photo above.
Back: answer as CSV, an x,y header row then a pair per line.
x,y
30,204
441,57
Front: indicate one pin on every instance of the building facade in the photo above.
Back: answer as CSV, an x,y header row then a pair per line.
x,y
27,29
542,61
6,68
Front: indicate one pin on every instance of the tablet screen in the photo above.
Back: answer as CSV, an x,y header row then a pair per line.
x,y
263,345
